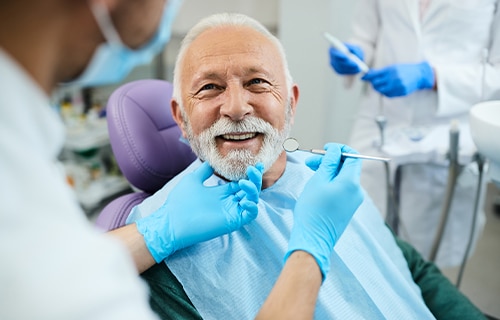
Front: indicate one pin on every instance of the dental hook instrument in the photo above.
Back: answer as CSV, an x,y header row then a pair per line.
x,y
291,145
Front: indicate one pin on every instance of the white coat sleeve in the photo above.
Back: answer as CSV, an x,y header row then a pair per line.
x,y
460,86
55,265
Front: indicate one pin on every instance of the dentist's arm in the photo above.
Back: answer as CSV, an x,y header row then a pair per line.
x,y
191,214
321,214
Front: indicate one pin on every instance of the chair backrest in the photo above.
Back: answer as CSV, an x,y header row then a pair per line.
x,y
145,142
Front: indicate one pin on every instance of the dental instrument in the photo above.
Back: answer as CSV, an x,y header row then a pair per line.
x,y
291,145
337,44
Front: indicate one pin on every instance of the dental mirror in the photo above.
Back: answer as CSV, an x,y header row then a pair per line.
x,y
291,145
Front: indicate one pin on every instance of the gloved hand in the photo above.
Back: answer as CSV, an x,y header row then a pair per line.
x,y
341,63
327,204
195,213
401,79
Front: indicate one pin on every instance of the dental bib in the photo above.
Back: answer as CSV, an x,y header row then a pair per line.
x,y
229,277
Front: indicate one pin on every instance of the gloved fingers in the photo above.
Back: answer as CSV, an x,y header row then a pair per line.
x,y
428,76
203,172
337,54
374,74
230,189
347,149
384,81
238,195
387,89
332,160
351,169
341,63
250,190
313,162
254,174
350,174
356,50
401,79
249,212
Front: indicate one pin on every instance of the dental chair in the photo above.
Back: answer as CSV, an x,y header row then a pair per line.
x,y
145,142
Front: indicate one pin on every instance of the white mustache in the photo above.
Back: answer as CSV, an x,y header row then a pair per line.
x,y
225,126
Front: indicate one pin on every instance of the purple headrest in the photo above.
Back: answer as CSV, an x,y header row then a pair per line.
x,y
143,136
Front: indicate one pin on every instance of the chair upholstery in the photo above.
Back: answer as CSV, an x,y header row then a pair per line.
x,y
145,142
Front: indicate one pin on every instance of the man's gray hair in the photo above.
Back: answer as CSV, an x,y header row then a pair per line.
x,y
223,20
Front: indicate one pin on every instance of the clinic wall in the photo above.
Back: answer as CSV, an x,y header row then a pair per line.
x,y
326,110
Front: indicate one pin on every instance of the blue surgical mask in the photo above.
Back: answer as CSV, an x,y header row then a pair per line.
x,y
113,60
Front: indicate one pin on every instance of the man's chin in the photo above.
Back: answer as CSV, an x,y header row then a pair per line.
x,y
232,170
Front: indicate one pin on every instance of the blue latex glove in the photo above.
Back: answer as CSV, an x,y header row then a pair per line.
x,y
194,213
341,63
327,204
401,79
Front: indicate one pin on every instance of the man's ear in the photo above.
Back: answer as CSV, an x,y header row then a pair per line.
x,y
294,98
177,115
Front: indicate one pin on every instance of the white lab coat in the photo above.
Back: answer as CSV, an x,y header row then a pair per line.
x,y
55,265
452,36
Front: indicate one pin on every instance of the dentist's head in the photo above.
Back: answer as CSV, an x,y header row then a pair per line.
x,y
85,42
113,59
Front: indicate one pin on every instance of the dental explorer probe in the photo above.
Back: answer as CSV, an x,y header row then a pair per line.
x,y
291,145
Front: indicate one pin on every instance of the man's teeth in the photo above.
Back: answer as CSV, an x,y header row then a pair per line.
x,y
239,136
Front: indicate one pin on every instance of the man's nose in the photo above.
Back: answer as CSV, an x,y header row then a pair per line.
x,y
236,104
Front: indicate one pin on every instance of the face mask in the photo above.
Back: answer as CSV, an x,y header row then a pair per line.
x,y
112,61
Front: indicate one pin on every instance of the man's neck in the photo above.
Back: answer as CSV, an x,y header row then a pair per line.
x,y
275,172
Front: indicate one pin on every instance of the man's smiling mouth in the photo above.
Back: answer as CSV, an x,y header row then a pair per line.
x,y
239,136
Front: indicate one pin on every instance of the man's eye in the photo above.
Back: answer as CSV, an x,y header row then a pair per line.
x,y
210,86
256,81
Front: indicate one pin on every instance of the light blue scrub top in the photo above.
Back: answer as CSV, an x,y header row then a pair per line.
x,y
229,277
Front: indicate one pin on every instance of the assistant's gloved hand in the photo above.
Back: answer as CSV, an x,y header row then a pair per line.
x,y
401,79
327,204
194,213
341,63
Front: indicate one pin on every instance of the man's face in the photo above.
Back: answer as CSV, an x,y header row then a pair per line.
x,y
237,108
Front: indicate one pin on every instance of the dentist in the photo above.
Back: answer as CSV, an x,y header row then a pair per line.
x,y
55,265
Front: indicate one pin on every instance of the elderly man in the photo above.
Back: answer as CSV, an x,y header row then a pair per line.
x,y
235,102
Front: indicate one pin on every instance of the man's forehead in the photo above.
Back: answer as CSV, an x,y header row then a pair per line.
x,y
224,71
230,42
238,48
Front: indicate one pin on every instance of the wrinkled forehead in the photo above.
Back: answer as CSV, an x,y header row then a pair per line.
x,y
235,49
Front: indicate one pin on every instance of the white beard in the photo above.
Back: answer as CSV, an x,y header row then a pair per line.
x,y
233,166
